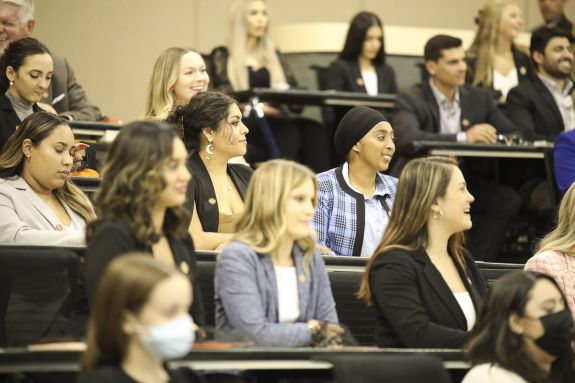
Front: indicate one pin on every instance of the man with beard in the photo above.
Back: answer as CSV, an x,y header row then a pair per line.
x,y
543,106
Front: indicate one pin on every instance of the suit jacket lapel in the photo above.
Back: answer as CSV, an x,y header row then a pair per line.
x,y
36,202
443,291
303,282
271,281
549,100
466,118
358,78
432,106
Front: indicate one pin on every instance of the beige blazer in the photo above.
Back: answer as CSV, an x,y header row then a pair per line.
x,y
26,220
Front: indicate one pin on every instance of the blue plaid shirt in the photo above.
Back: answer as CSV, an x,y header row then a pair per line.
x,y
340,216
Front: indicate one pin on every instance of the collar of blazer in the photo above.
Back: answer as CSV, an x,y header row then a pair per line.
x,y
443,291
303,281
37,203
546,95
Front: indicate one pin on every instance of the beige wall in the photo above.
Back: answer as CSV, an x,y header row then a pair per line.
x,y
112,44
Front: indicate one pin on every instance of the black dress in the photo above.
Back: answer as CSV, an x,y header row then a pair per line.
x,y
115,374
114,238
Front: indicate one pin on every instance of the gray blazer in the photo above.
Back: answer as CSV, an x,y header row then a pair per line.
x,y
27,220
247,296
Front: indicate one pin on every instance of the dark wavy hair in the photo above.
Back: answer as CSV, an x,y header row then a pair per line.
x,y
36,128
15,55
492,341
356,34
205,110
132,180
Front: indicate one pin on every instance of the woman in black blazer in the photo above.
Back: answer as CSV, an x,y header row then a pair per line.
x,y
25,73
140,205
425,287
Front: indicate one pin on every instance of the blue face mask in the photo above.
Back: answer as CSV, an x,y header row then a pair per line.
x,y
169,340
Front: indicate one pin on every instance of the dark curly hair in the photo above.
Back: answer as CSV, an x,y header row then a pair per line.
x,y
132,180
205,110
15,55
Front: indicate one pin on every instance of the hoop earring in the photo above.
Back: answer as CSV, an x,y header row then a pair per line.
x,y
209,149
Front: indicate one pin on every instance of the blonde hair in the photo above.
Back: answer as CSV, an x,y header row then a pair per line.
x,y
37,127
422,181
264,50
483,46
160,100
262,224
562,238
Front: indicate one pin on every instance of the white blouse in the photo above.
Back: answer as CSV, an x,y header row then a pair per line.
x,y
505,83
466,304
370,82
288,300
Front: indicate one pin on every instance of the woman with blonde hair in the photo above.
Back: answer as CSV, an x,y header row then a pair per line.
x,y
251,61
271,282
425,286
178,75
39,203
555,253
495,61
140,205
139,320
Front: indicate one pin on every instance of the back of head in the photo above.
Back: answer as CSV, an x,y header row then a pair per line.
x,y
132,176
160,100
124,288
492,340
206,110
541,37
435,45
262,223
26,11
356,34
15,55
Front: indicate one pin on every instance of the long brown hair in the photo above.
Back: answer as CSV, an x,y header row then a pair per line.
x,y
125,287
562,238
37,127
262,224
132,180
422,181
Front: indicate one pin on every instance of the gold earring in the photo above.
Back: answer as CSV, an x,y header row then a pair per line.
x,y
437,215
209,149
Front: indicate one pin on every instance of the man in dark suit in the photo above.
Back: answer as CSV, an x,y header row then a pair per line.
x,y
553,12
543,106
64,96
445,109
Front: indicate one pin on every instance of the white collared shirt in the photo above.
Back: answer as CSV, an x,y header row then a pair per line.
x,y
449,113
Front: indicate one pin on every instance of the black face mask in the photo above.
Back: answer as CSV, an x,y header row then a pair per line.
x,y
559,333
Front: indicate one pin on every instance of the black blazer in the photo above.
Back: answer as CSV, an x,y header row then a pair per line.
x,y
9,120
114,238
414,306
522,63
345,76
533,109
417,116
202,195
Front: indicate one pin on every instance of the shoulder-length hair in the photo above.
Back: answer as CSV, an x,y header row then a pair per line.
x,y
262,223
15,55
483,47
264,50
493,341
356,34
37,127
562,238
160,100
132,180
422,182
125,288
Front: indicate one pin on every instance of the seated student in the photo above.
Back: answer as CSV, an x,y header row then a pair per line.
x,y
555,253
64,96
252,61
543,106
523,334
214,133
25,72
139,320
271,282
354,200
139,205
444,109
564,160
178,75
39,204
425,286
496,62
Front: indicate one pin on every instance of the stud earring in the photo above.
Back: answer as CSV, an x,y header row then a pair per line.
x,y
437,215
209,149
11,83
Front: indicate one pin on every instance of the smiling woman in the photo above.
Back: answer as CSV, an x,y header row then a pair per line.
x,y
25,73
38,202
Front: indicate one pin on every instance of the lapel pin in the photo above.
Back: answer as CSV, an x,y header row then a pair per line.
x,y
465,122
184,267
359,81
212,201
302,278
523,70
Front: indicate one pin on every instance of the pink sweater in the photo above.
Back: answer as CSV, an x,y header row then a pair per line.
x,y
559,266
